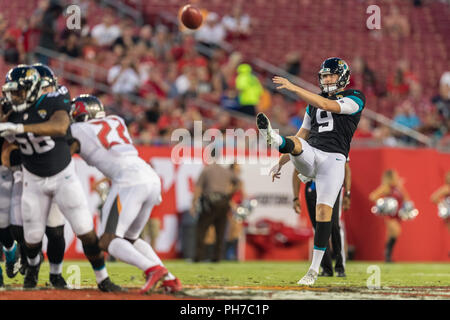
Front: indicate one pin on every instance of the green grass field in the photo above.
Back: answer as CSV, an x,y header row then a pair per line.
x,y
262,274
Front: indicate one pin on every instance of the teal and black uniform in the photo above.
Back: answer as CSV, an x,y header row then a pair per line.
x,y
44,156
333,132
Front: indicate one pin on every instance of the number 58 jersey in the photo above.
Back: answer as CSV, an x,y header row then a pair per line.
x,y
43,156
106,144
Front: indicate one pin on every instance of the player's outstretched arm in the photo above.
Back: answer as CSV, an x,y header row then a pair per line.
x,y
275,171
307,96
303,133
7,153
57,125
296,189
347,185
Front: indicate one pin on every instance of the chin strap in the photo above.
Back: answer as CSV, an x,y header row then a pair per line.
x,y
326,88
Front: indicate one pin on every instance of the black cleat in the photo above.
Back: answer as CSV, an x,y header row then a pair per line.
x,y
23,266
262,121
23,260
31,277
57,281
263,124
32,274
108,286
325,274
341,274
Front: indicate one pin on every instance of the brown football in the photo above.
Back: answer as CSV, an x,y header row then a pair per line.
x,y
191,17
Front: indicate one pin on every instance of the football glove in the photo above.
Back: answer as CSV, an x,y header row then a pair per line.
x,y
9,129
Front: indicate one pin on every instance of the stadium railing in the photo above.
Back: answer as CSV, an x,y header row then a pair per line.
x,y
125,10
94,70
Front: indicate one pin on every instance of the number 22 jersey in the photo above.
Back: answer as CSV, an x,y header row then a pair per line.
x,y
43,156
106,144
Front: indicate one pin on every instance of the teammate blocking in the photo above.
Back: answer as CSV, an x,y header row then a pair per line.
x,y
39,125
320,148
55,223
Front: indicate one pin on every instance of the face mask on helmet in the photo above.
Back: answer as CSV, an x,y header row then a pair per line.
x,y
79,112
22,90
334,66
86,107
327,87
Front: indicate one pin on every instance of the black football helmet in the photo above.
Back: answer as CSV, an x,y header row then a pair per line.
x,y
22,87
334,66
86,107
48,77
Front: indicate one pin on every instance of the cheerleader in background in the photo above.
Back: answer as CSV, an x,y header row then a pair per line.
x,y
391,186
443,194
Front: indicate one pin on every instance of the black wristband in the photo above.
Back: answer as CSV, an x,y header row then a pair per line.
x,y
296,198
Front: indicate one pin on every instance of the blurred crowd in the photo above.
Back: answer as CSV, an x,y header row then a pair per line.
x,y
178,74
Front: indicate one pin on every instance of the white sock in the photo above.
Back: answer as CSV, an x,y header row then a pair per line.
x,y
126,252
317,258
35,261
278,140
101,274
56,268
146,249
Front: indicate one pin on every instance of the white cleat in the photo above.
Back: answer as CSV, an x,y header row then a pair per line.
x,y
309,278
263,124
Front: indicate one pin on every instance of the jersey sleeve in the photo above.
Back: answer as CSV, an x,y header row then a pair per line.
x,y
308,110
306,122
352,103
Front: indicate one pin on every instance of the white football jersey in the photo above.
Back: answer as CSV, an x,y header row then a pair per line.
x,y
106,144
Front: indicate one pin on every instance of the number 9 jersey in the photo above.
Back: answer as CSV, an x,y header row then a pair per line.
x,y
43,156
333,132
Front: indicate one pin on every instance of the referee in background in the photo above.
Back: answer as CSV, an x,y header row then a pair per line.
x,y
337,232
